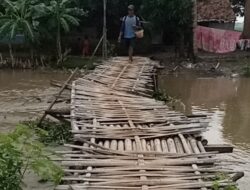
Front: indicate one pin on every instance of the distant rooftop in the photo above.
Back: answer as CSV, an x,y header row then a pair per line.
x,y
215,10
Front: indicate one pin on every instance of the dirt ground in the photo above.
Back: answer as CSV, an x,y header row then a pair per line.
x,y
229,65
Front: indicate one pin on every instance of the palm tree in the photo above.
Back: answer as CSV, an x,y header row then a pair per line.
x,y
17,19
61,16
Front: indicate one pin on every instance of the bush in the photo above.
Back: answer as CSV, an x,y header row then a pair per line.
x,y
10,166
161,96
19,152
246,71
220,177
51,133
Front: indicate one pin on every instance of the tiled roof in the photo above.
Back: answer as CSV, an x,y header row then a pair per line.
x,y
215,10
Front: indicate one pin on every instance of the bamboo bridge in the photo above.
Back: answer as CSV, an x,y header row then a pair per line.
x,y
125,140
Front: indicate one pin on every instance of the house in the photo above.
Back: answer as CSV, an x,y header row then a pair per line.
x,y
216,14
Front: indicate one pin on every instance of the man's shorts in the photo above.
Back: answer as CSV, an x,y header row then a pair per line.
x,y
130,42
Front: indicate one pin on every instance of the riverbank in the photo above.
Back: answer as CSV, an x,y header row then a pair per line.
x,y
230,65
70,62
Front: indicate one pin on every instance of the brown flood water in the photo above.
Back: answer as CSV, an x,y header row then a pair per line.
x,y
24,94
226,101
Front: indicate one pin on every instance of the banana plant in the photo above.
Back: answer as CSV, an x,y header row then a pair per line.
x,y
17,19
60,17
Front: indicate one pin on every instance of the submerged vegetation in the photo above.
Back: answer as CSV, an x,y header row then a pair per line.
x,y
21,152
24,150
51,133
161,96
220,177
246,70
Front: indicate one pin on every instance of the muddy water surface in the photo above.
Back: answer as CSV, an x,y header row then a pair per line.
x,y
226,101
24,94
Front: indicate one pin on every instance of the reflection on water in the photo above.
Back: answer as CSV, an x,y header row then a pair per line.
x,y
24,94
226,101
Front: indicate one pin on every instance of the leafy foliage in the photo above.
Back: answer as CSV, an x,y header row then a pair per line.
x,y
18,19
59,15
161,96
246,71
46,21
20,152
176,14
116,10
37,19
220,177
238,6
51,133
173,18
10,165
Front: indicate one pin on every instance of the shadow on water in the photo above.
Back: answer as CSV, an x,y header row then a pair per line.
x,y
226,101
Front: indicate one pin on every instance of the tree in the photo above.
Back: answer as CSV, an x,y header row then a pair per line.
x,y
60,16
17,19
238,7
116,9
246,31
174,17
242,8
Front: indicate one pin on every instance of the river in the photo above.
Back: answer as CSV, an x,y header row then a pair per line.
x,y
25,94
226,101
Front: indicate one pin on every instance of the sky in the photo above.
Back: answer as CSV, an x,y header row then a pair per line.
x,y
239,19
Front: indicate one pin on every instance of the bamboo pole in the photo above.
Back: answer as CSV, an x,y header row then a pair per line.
x,y
187,150
57,95
195,13
104,48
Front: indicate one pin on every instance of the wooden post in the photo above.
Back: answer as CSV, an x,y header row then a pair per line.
x,y
104,47
99,43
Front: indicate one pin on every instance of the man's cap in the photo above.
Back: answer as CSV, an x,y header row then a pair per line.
x,y
131,7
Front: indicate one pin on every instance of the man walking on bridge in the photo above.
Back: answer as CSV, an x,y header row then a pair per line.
x,y
130,24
